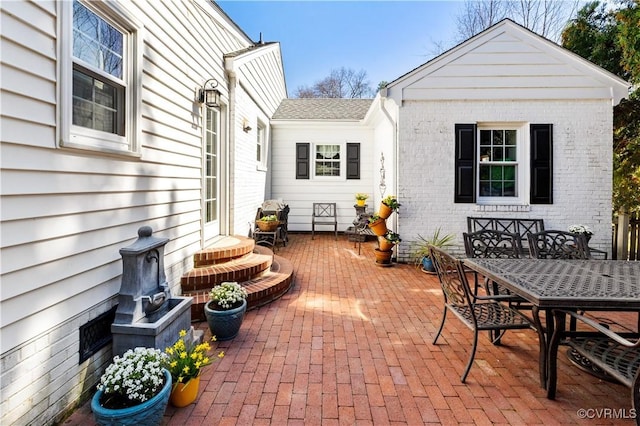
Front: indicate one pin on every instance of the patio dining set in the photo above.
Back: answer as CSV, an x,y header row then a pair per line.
x,y
501,286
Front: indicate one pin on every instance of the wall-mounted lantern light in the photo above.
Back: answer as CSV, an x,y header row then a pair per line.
x,y
208,94
245,126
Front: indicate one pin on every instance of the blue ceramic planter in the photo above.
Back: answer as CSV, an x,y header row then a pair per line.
x,y
225,325
427,264
148,413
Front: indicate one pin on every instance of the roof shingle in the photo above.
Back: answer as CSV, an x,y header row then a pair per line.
x,y
322,109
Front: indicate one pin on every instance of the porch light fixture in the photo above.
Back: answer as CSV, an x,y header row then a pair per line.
x,y
208,94
245,126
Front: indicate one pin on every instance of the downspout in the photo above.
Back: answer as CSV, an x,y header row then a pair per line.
x,y
230,192
395,150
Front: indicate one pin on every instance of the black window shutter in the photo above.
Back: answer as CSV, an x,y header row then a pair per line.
x,y
302,160
465,163
353,161
541,164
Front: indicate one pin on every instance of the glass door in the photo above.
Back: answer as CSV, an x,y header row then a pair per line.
x,y
211,178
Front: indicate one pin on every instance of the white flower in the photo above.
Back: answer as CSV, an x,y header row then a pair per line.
x,y
136,375
227,294
580,229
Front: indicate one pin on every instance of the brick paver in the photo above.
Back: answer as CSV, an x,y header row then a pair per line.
x,y
350,343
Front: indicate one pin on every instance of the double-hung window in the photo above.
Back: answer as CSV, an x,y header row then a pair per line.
x,y
498,169
261,146
100,64
327,160
324,160
504,163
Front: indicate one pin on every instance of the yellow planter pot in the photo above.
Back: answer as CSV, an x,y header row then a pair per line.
x,y
184,394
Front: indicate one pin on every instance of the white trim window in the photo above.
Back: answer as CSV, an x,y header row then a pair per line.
x,y
501,162
511,174
100,83
328,160
261,146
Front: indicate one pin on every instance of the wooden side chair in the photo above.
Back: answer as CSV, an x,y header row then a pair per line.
x,y
476,312
555,244
324,214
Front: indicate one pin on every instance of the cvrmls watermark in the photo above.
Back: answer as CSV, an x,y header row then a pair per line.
x,y
606,413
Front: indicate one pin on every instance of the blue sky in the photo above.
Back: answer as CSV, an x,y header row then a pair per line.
x,y
385,38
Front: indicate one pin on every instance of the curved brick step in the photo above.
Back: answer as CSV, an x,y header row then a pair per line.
x,y
261,290
240,269
228,248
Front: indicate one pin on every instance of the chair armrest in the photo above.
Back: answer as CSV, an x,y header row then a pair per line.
x,y
496,298
602,329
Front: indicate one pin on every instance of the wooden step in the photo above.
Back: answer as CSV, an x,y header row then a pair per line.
x,y
261,290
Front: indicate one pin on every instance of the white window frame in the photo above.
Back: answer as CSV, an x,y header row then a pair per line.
x,y
73,136
343,161
522,164
262,145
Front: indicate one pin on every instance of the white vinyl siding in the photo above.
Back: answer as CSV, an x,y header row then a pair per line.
x,y
507,62
66,213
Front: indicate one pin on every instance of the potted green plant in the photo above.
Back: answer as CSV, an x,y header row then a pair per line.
x,y
134,389
378,225
268,223
388,205
185,362
388,240
225,309
361,198
421,248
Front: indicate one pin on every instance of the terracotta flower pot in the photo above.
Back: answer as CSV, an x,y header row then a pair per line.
x,y
384,244
383,257
378,227
384,211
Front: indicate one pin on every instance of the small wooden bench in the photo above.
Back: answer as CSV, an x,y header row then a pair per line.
x,y
615,353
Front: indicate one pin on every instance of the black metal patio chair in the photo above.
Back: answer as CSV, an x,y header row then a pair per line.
x,y
554,244
476,312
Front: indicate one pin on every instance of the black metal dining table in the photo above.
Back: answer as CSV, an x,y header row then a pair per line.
x,y
604,285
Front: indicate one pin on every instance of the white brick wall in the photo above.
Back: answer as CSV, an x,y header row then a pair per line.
x,y
41,379
582,166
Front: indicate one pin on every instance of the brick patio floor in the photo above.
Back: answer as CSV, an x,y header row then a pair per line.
x,y
350,343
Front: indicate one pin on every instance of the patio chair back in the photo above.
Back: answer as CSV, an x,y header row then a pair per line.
x,y
491,244
324,214
554,244
476,312
453,282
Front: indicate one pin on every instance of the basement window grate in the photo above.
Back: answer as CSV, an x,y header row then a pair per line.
x,y
96,334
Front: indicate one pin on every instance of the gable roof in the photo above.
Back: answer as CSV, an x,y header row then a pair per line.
x,y
508,61
322,109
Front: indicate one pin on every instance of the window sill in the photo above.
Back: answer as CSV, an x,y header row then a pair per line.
x,y
502,208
